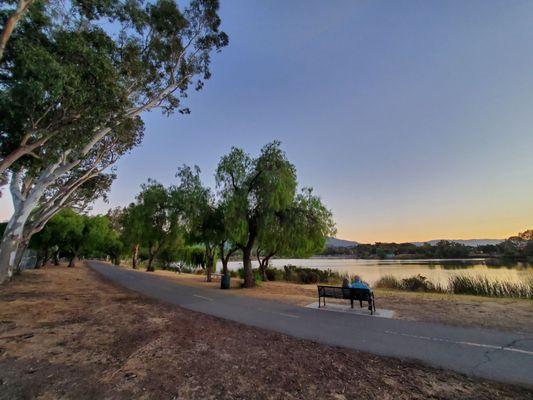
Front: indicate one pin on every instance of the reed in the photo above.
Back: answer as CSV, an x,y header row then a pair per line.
x,y
461,284
388,282
482,286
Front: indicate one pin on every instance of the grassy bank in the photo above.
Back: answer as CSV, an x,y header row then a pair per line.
x,y
292,273
502,313
461,284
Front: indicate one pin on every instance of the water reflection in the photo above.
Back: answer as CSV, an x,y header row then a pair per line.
x,y
437,271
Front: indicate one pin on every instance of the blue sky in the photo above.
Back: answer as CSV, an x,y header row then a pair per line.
x,y
412,119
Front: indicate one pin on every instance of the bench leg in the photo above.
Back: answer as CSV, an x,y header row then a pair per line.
x,y
360,304
318,301
351,301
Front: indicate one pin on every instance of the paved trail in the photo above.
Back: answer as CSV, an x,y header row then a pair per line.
x,y
501,356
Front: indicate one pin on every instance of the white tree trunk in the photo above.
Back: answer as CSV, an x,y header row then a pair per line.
x,y
14,232
21,249
9,246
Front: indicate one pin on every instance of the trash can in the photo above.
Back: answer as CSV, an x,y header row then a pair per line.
x,y
225,281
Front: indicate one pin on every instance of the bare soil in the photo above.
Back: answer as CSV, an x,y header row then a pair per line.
x,y
68,334
460,310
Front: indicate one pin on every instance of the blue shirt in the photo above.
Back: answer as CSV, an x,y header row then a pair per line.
x,y
358,285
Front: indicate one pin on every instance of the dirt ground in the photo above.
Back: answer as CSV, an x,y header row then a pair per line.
x,y
460,310
67,334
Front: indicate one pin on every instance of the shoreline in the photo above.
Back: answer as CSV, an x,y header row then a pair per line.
x,y
507,314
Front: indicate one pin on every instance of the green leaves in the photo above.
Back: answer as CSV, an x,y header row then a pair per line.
x,y
78,234
74,87
253,189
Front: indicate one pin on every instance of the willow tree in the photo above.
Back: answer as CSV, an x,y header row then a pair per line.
x,y
254,189
131,228
158,217
298,231
198,213
71,89
204,218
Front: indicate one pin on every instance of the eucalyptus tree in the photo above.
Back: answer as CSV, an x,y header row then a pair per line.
x,y
58,82
52,82
254,189
76,189
73,94
10,15
47,241
298,231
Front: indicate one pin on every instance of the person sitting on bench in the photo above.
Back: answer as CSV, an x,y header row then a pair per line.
x,y
345,282
358,283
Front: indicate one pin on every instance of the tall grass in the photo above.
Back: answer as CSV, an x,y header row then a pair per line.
x,y
388,282
482,286
461,284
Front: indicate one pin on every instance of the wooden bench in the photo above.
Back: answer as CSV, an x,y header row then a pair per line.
x,y
337,292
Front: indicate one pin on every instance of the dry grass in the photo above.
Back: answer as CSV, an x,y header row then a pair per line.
x,y
461,310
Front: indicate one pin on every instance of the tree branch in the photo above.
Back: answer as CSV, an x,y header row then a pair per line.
x,y
22,7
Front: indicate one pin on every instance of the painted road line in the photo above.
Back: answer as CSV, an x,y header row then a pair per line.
x,y
288,315
278,313
473,344
518,350
202,297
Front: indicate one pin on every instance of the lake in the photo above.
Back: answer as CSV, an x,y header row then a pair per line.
x,y
437,271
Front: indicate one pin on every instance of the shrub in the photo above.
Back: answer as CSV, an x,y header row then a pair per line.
x,y
295,274
417,283
388,282
274,274
255,273
186,269
233,274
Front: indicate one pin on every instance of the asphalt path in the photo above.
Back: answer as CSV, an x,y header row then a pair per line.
x,y
501,356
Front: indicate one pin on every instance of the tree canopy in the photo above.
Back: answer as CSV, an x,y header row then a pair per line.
x,y
262,209
74,89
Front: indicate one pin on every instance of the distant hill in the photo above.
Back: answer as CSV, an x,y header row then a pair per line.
x,y
466,242
334,242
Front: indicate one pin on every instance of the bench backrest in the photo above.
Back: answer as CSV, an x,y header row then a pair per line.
x,y
338,292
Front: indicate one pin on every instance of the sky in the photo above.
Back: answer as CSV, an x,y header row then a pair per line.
x,y
413,120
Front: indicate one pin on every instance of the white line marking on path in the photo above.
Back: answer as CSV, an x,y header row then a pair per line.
x,y
518,350
473,344
278,313
288,315
202,297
